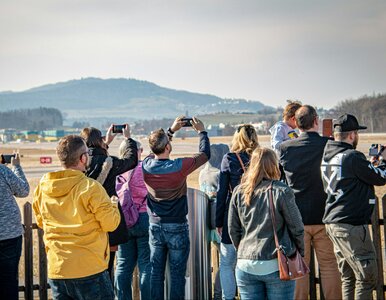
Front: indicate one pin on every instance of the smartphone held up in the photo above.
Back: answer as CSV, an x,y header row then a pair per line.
x,y
6,158
118,128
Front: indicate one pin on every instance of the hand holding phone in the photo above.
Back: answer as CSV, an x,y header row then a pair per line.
x,y
187,122
6,158
118,128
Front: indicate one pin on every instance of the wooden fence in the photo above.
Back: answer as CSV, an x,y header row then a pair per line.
x,y
379,237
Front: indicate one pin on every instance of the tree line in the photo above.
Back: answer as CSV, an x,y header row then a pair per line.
x,y
41,118
369,110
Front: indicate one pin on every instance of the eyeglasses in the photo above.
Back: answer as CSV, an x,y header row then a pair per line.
x,y
246,126
88,152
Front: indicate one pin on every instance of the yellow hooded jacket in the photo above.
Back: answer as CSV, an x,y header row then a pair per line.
x,y
75,213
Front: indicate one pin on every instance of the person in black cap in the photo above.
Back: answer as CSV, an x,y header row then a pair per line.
x,y
349,180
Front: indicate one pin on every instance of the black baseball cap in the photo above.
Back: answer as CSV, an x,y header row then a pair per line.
x,y
347,123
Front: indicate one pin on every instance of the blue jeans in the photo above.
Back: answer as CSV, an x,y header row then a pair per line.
x,y
228,259
10,252
168,240
94,287
136,250
262,287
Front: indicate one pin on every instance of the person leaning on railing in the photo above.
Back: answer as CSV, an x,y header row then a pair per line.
x,y
12,183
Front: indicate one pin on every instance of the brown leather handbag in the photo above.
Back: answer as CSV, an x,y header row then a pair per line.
x,y
290,268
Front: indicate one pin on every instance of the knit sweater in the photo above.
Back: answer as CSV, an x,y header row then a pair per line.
x,y
12,183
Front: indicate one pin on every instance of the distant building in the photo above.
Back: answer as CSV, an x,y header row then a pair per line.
x,y
31,135
7,135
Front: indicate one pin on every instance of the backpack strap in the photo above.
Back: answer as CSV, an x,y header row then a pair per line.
x,y
241,161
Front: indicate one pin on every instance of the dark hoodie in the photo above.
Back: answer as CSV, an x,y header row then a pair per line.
x,y
349,180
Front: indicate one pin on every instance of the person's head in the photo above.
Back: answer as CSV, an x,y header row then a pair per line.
x,y
263,165
93,138
306,118
289,112
346,129
159,142
72,152
245,139
217,152
123,149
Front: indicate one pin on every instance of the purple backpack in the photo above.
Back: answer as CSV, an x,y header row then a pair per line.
x,y
130,210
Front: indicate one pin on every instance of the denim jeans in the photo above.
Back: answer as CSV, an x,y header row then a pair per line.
x,y
264,287
10,251
94,287
136,250
228,259
168,241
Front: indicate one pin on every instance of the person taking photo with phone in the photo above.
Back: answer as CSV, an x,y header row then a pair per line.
x,y
105,168
165,180
12,184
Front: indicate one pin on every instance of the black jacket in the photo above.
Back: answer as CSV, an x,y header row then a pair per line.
x,y
230,176
349,181
113,166
105,169
301,159
251,227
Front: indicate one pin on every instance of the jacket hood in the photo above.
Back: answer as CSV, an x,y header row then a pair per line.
x,y
333,148
60,183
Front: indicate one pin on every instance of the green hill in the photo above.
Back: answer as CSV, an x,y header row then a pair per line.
x,y
97,100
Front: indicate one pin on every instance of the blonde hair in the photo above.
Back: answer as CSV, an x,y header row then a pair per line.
x,y
263,165
245,139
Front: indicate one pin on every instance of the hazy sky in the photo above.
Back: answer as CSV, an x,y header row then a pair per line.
x,y
319,52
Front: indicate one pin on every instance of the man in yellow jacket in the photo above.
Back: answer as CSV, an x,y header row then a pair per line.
x,y
75,214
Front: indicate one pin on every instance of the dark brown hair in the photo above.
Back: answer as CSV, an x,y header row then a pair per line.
x,y
158,141
305,117
93,138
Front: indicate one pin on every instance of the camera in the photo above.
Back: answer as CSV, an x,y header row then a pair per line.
x,y
373,150
118,128
187,122
376,152
6,158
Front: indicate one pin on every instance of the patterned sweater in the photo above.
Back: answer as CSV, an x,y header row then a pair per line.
x,y
12,183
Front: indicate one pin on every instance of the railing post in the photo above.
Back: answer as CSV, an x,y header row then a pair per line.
x,y
378,249
43,286
28,258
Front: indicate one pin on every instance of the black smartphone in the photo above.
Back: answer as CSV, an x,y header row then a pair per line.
x,y
6,158
187,122
118,128
373,151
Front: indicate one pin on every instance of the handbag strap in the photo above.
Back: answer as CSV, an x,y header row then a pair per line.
x,y
241,161
272,212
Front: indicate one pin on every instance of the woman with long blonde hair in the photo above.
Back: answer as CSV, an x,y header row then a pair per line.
x,y
233,164
251,229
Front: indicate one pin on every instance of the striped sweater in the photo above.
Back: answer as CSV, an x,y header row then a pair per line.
x,y
165,181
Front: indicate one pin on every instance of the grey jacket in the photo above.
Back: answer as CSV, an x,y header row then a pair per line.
x,y
12,183
251,229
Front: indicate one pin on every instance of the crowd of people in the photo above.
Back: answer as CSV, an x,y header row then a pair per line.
x,y
320,190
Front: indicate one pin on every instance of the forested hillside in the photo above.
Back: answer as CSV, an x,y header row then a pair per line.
x,y
370,111
41,118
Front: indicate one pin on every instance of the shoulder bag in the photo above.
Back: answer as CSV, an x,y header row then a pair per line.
x,y
290,268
